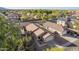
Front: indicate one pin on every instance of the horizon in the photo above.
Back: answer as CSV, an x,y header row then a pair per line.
x,y
60,8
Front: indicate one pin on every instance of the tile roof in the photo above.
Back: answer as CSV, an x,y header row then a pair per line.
x,y
53,26
46,35
13,15
31,27
24,24
39,32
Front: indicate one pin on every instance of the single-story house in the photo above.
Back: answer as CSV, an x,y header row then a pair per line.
x,y
40,36
76,14
62,21
52,27
14,16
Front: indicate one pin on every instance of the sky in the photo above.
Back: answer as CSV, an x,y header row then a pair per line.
x,y
40,4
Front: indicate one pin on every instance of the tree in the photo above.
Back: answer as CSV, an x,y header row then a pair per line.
x,y
9,33
56,13
11,38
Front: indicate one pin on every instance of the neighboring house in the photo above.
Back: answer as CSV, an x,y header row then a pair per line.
x,y
54,28
72,18
14,16
62,21
71,22
24,24
75,14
